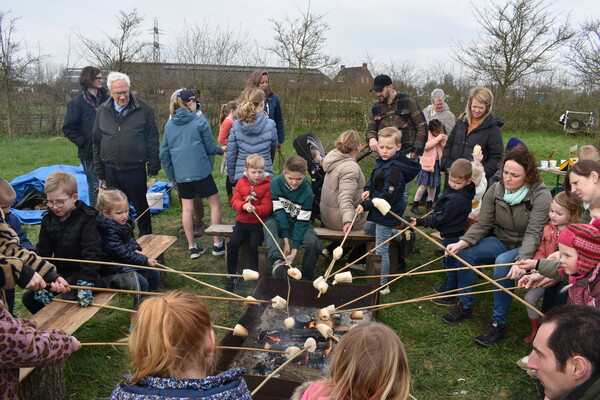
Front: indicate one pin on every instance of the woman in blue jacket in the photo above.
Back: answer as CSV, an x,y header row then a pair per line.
x,y
184,153
260,79
252,133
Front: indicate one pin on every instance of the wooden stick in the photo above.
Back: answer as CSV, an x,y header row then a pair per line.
x,y
96,305
484,276
105,344
272,237
367,253
349,229
125,291
434,271
222,328
331,335
217,347
292,358
152,205
143,267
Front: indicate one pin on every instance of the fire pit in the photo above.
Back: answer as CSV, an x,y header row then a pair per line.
x,y
266,328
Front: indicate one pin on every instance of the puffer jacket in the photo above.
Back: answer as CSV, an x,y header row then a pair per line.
x,y
263,202
118,245
228,385
259,137
76,237
186,147
451,213
125,140
388,181
487,135
520,225
342,187
273,108
433,151
79,122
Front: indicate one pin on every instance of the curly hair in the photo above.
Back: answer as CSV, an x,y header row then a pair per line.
x,y
525,158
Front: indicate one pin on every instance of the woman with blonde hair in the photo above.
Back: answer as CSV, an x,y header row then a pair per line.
x,y
252,133
369,363
476,126
172,351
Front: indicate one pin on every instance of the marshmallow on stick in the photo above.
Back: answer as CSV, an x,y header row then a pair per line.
x,y
382,205
338,252
476,150
295,273
325,330
356,315
289,322
239,330
249,275
279,302
292,351
249,301
310,345
320,285
342,277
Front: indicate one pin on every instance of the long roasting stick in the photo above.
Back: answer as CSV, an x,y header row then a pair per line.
x,y
217,347
270,234
152,205
277,370
434,271
96,305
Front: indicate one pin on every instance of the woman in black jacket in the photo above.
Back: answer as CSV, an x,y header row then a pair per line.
x,y
476,126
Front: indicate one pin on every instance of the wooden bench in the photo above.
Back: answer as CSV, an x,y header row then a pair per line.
x,y
354,238
69,317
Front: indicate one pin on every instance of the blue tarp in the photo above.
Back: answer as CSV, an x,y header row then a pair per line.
x,y
37,178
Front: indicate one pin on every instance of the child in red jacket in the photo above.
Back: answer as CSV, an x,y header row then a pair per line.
x,y
252,193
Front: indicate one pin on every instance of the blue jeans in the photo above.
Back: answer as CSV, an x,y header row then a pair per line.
x,y
149,279
92,181
450,276
382,233
489,250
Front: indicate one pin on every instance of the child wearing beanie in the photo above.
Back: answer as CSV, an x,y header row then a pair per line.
x,y
579,247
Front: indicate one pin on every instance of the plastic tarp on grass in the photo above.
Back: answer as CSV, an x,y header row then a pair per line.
x,y
37,178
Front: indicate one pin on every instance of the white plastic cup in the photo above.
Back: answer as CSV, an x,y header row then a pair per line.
x,y
552,163
544,163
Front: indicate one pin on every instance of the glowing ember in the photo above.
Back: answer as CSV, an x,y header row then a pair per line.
x,y
273,338
327,351
312,324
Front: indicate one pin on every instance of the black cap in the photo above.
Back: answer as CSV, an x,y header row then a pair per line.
x,y
186,95
380,82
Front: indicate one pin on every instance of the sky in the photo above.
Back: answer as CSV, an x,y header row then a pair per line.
x,y
385,31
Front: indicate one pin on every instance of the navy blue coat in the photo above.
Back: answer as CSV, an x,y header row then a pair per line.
x,y
451,213
273,108
118,245
13,221
387,181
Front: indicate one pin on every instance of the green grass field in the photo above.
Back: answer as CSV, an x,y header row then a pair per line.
x,y
445,361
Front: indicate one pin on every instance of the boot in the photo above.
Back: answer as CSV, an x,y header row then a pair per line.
x,y
535,325
429,206
229,198
415,208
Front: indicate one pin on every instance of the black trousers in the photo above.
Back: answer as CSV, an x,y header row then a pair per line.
x,y
132,182
241,232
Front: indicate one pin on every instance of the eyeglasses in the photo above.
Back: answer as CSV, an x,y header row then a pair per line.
x,y
98,78
57,203
120,93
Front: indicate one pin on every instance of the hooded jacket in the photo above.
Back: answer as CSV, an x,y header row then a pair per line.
x,y
186,147
273,108
487,135
451,213
342,187
433,151
125,140
259,137
79,122
387,181
519,225
118,245
263,202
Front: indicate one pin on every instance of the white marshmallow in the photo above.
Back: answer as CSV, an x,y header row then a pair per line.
x,y
249,275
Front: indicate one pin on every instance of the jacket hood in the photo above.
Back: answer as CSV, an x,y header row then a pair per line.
x,y
335,158
490,120
468,192
255,128
183,116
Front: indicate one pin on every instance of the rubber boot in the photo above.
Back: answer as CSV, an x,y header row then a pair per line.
x,y
429,206
415,208
535,325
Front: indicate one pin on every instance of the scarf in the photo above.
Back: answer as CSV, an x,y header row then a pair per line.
x,y
92,100
516,197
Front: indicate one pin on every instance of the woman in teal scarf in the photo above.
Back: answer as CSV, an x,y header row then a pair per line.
x,y
513,214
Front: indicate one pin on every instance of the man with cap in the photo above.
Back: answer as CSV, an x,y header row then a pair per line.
x,y
566,353
125,143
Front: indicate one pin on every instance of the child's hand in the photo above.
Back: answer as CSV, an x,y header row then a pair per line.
x,y
248,207
515,273
413,221
527,264
554,256
59,286
478,158
346,228
36,282
151,262
456,247
290,257
286,247
138,251
531,281
365,195
359,210
224,148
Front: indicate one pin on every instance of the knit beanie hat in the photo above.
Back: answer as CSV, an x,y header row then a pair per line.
x,y
585,239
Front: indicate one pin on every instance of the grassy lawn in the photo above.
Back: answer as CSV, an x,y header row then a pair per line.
x,y
445,361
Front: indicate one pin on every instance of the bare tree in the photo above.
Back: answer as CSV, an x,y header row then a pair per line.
x,y
515,39
16,65
117,52
584,53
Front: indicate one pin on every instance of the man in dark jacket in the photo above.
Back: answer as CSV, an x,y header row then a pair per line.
x,y
79,121
566,353
125,138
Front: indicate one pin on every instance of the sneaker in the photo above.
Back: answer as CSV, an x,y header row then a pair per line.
x,y
385,290
196,251
444,301
492,335
327,254
440,288
458,315
280,269
218,249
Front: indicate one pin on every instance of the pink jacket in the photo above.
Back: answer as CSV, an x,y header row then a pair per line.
x,y
433,150
586,290
548,242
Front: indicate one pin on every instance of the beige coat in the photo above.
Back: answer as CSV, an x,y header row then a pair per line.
x,y
344,183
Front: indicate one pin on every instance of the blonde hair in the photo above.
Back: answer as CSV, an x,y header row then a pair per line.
x,y
176,102
347,142
572,205
369,363
588,152
171,334
391,131
7,193
252,99
255,161
60,180
482,95
107,199
227,108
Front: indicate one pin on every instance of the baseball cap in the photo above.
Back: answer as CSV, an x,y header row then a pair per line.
x,y
380,82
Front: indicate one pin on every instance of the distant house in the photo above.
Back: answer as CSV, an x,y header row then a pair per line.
x,y
354,78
